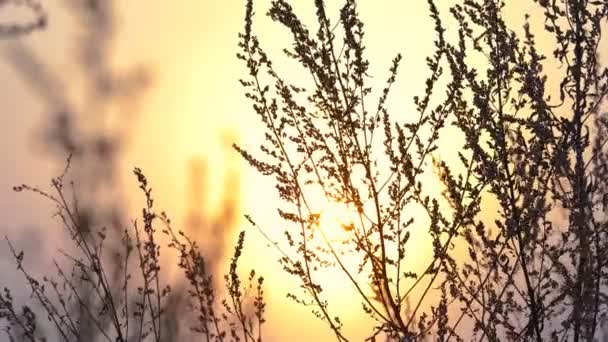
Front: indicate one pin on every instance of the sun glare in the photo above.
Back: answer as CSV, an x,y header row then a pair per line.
x,y
338,226
337,219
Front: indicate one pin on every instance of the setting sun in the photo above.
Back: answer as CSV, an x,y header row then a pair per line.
x,y
282,170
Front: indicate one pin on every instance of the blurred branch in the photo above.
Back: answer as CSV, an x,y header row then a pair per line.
x,y
15,29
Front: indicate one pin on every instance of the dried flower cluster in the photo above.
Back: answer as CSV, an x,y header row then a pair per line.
x,y
116,291
533,270
536,269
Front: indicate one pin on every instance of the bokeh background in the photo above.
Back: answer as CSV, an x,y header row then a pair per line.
x,y
154,84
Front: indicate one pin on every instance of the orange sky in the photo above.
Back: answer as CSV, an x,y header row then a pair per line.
x,y
196,105
198,99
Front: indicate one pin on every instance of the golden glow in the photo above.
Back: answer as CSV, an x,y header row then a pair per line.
x,y
197,98
196,102
337,219
338,224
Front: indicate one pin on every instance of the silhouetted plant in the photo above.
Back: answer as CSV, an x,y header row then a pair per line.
x,y
528,275
82,125
533,271
136,310
532,276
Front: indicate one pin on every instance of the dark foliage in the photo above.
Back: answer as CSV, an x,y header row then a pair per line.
x,y
83,303
528,274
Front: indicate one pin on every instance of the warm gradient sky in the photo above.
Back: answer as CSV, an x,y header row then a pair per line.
x,y
193,109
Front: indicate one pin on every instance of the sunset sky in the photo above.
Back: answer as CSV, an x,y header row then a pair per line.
x,y
194,110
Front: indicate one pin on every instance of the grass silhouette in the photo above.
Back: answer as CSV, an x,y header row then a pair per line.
x,y
533,270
